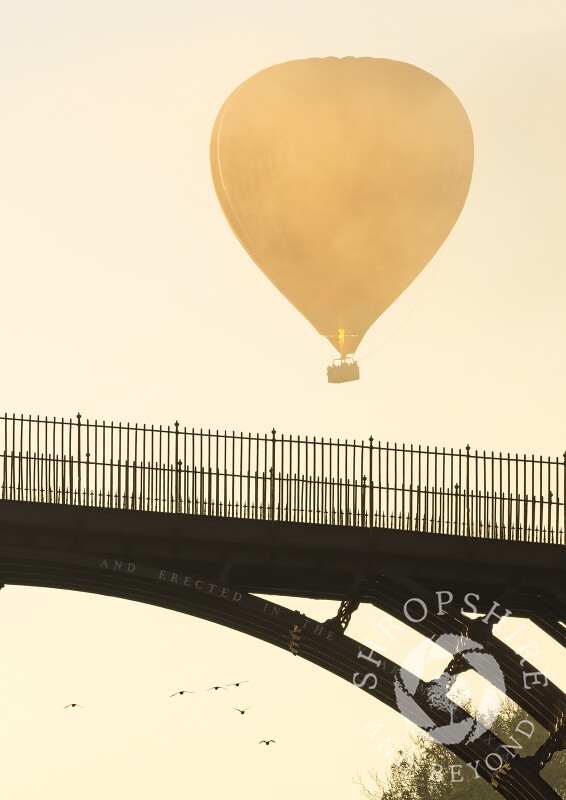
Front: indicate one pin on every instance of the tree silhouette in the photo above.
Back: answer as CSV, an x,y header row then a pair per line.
x,y
429,771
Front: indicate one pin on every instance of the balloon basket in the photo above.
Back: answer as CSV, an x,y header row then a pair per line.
x,y
342,370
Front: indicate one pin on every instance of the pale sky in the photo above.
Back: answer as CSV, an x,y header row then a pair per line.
x,y
126,296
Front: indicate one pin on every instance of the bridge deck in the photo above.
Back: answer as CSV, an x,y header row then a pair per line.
x,y
277,557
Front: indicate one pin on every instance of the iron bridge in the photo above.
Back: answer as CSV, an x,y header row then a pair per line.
x,y
202,522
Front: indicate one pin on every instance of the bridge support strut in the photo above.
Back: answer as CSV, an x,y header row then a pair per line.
x,y
349,604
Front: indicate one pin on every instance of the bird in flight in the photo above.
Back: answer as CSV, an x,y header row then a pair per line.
x,y
237,684
266,742
241,710
74,705
216,688
183,691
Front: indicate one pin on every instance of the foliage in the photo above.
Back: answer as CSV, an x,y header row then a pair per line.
x,y
429,771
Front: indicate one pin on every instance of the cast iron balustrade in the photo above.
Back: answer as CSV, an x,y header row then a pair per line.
x,y
274,477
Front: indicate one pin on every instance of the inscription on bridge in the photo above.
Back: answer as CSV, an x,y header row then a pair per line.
x,y
177,578
203,586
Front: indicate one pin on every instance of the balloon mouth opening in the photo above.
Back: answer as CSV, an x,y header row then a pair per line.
x,y
343,369
345,343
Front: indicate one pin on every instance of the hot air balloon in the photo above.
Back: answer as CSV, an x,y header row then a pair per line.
x,y
342,177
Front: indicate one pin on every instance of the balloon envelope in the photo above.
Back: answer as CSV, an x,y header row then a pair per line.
x,y
342,178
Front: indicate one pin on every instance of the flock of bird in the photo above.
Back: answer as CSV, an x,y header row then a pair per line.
x,y
189,691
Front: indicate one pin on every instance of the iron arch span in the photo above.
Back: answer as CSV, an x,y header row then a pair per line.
x,y
322,643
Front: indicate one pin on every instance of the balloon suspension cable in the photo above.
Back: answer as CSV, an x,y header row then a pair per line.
x,y
413,309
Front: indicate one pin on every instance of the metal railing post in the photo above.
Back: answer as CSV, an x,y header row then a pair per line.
x,y
468,489
78,456
272,477
177,467
371,481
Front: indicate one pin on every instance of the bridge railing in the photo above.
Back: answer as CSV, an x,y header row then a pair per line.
x,y
298,479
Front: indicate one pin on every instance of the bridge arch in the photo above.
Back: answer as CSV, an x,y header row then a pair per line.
x,y
318,642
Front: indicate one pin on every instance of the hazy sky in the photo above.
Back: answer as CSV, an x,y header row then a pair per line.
x,y
126,296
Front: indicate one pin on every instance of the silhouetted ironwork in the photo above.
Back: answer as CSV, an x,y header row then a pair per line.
x,y
297,479
555,742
